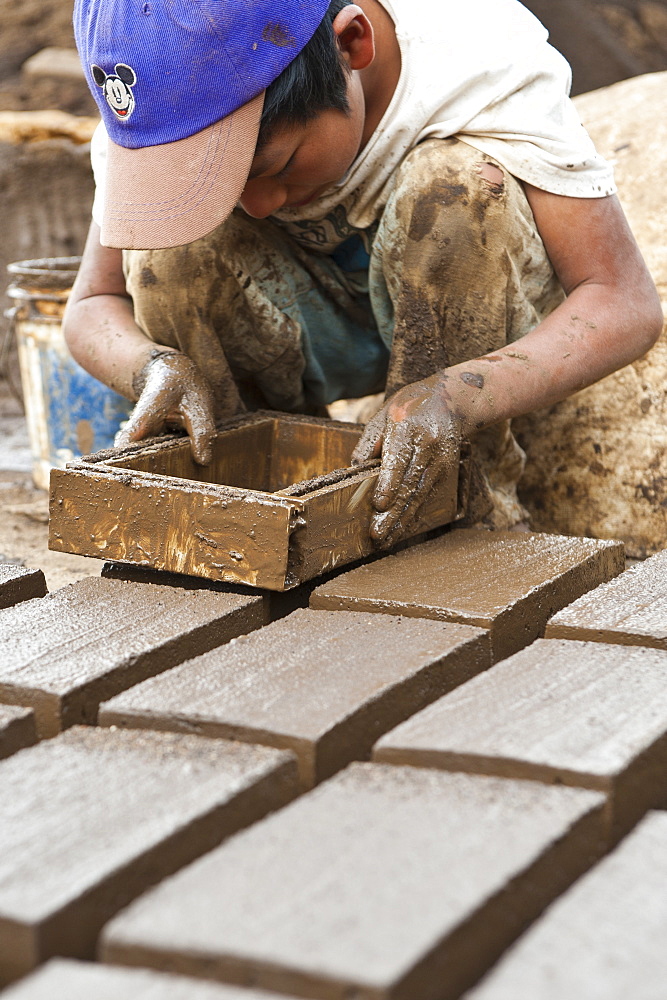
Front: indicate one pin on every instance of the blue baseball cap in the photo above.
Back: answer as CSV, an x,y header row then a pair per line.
x,y
180,87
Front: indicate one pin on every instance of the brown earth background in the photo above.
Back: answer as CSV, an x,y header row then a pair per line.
x,y
604,42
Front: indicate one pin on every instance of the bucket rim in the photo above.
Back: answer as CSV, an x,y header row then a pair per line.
x,y
44,272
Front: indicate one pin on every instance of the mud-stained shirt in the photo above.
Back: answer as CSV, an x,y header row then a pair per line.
x,y
481,70
484,71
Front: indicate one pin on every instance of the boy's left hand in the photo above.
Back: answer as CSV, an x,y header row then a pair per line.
x,y
419,436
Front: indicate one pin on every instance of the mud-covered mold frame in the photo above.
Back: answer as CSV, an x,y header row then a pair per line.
x,y
279,504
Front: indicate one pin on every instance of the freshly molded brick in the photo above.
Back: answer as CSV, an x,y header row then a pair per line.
x,y
93,817
278,603
325,684
630,610
604,939
17,729
575,713
384,882
66,979
508,582
70,650
20,584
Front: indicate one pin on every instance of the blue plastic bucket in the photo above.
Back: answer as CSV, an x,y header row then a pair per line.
x,y
69,413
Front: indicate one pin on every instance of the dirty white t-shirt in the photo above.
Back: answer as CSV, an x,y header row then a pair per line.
x,y
481,70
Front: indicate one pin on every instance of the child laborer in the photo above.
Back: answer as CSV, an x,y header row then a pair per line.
x,y
317,200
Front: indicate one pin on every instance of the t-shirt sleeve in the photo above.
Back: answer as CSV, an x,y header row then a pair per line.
x,y
98,159
551,149
515,107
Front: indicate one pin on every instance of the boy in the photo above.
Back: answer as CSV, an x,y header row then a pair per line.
x,y
418,209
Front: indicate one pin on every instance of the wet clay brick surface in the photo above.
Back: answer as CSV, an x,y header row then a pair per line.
x,y
631,610
508,582
323,683
576,713
17,729
65,979
382,882
93,817
19,584
65,653
604,939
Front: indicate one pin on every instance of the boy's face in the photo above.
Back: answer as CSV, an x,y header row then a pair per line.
x,y
300,161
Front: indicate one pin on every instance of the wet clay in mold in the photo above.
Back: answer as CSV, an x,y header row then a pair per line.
x,y
603,938
510,583
384,882
574,713
66,652
324,684
97,816
630,610
20,584
278,505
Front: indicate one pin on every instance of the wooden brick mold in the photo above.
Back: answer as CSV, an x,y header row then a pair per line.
x,y
67,979
278,505
325,684
508,582
17,729
65,653
605,938
19,584
91,818
381,883
574,713
631,610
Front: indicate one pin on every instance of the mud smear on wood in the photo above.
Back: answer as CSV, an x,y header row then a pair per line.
x,y
278,505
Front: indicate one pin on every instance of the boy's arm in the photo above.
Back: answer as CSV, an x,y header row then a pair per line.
x,y
103,337
611,316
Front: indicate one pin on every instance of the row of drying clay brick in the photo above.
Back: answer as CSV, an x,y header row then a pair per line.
x,y
387,881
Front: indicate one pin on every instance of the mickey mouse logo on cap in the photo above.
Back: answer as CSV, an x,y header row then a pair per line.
x,y
117,89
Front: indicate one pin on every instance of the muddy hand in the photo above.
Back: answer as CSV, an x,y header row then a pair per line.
x,y
419,437
172,391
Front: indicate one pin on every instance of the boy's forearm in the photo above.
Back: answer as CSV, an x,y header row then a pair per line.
x,y
99,324
587,337
105,340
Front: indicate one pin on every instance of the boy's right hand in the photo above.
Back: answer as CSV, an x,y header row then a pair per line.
x,y
172,392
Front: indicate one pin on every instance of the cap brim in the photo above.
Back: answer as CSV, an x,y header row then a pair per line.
x,y
168,195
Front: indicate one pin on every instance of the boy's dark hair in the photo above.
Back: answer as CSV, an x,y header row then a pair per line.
x,y
315,81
